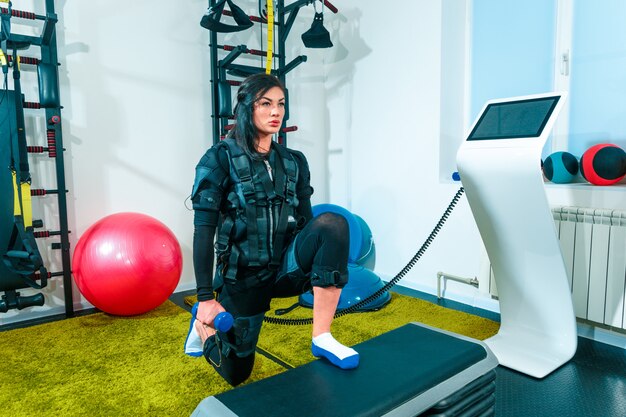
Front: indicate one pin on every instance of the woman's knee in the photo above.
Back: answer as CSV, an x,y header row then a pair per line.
x,y
233,368
237,369
331,223
322,249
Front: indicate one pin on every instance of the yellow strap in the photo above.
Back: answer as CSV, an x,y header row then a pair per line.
x,y
17,211
3,58
26,204
4,1
270,36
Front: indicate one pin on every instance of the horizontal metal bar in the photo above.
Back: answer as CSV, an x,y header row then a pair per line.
x,y
253,18
302,3
247,50
22,14
294,63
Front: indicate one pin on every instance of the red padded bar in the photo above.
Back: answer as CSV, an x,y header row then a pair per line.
x,y
330,6
26,60
21,14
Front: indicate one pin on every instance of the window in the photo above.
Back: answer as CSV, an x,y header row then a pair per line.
x,y
512,48
597,91
537,46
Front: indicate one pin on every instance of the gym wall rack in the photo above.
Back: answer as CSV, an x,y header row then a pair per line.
x,y
48,83
223,65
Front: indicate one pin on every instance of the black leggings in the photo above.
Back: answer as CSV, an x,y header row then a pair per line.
x,y
323,245
320,253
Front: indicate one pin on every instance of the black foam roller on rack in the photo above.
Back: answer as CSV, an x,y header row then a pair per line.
x,y
48,86
225,99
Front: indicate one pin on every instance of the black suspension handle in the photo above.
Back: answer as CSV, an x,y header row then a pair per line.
x,y
13,299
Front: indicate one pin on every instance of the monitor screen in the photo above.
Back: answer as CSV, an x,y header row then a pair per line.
x,y
514,119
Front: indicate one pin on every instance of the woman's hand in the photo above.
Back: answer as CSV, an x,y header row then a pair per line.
x,y
207,310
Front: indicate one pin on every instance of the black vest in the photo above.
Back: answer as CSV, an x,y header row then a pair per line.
x,y
260,212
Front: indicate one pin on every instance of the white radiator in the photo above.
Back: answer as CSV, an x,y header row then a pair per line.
x,y
593,242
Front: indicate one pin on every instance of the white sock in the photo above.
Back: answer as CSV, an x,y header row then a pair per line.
x,y
194,342
327,342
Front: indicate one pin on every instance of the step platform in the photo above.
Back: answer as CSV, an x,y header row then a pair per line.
x,y
410,371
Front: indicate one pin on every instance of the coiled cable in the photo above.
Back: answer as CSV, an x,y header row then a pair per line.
x,y
394,281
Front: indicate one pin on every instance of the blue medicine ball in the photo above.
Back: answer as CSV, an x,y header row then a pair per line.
x,y
560,167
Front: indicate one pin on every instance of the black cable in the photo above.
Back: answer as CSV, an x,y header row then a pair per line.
x,y
394,281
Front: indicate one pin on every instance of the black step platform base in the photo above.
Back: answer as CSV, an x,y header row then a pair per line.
x,y
410,371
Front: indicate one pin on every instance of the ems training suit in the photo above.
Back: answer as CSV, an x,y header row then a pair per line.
x,y
258,212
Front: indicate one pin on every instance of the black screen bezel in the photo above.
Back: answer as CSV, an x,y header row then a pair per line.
x,y
555,100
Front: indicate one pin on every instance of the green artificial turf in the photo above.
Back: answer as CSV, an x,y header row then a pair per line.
x,y
102,365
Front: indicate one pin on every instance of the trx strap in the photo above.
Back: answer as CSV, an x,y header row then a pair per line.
x,y
5,30
5,66
270,36
22,255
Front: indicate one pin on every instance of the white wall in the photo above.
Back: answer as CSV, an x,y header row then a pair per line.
x,y
135,85
384,100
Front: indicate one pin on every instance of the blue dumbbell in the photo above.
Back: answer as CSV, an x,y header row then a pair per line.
x,y
223,322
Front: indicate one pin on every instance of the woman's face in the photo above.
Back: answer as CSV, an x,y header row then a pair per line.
x,y
268,112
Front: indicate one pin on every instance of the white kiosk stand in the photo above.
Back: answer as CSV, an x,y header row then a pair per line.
x,y
500,170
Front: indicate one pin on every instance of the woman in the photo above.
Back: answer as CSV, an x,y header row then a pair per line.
x,y
252,196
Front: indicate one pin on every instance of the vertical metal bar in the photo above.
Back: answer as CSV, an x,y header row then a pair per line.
x,y
214,82
281,57
281,39
49,55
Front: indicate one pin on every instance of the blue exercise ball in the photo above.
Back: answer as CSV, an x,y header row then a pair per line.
x,y
367,256
362,283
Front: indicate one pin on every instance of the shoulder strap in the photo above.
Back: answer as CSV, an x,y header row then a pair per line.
x,y
291,174
241,165
288,184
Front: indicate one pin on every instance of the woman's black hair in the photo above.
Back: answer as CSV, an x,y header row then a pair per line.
x,y
250,90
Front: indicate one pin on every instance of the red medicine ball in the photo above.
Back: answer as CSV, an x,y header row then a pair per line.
x,y
603,164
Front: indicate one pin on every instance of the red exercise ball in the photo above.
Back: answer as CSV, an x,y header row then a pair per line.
x,y
603,164
127,264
